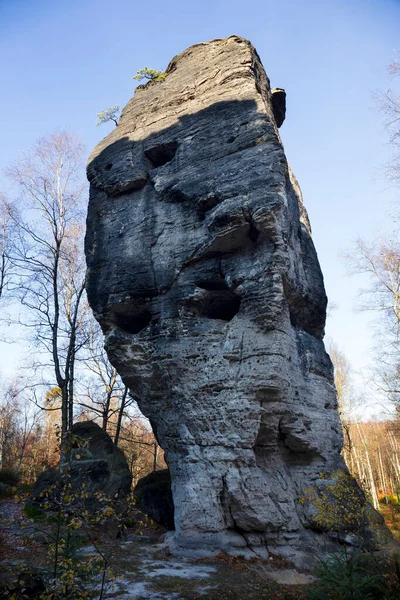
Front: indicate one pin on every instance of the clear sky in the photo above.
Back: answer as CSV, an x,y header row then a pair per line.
x,y
64,61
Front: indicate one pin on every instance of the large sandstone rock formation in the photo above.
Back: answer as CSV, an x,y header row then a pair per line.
x,y
204,277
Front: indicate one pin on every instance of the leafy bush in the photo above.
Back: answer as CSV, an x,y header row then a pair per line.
x,y
9,477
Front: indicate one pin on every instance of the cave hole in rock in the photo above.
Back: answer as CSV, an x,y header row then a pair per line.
x,y
219,302
161,154
152,493
175,196
206,204
108,167
213,284
253,232
131,318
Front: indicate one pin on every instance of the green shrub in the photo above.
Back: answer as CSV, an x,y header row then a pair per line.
x,y
345,576
9,477
6,491
33,512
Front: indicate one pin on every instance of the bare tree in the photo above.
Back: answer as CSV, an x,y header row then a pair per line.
x,y
344,388
389,102
342,373
8,425
6,240
102,394
17,423
379,261
48,257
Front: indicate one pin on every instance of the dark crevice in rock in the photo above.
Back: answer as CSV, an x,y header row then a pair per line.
x,y
131,317
129,187
312,458
176,197
267,439
307,313
215,284
302,318
206,204
225,500
154,497
253,232
161,154
133,323
220,304
205,255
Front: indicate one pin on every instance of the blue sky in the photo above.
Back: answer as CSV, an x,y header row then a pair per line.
x,y
64,61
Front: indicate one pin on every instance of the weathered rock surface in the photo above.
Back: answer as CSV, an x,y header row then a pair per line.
x,y
92,461
154,497
204,277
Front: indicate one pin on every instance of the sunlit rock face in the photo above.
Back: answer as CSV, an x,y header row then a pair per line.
x,y
204,277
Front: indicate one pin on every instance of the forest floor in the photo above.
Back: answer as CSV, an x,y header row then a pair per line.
x,y
391,514
145,571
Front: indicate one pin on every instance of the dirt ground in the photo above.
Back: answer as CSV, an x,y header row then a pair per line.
x,y
144,570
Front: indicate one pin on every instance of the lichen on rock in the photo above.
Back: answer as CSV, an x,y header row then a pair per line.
x,y
203,275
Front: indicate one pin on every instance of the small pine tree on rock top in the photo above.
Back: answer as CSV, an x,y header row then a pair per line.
x,y
149,74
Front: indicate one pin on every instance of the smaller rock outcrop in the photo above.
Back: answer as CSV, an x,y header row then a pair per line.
x,y
92,464
9,480
278,101
154,497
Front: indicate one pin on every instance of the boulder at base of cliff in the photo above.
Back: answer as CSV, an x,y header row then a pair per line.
x,y
93,476
154,497
26,584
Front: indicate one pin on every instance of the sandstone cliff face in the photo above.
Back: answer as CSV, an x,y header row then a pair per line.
x,y
204,277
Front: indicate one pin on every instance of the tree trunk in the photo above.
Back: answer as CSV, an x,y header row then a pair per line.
x,y
120,415
372,487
